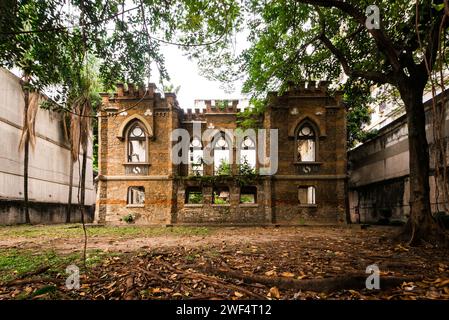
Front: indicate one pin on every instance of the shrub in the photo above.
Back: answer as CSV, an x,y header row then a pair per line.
x,y
129,218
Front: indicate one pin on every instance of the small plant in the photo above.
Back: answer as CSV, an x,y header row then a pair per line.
x,y
129,218
224,169
247,174
222,104
245,169
218,200
195,198
246,198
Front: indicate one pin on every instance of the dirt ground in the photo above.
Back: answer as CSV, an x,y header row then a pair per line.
x,y
235,263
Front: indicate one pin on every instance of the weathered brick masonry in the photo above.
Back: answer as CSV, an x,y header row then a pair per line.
x,y
308,186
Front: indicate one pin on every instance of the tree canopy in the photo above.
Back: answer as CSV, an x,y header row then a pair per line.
x,y
292,41
48,40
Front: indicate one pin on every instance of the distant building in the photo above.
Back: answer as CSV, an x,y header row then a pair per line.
x,y
137,177
385,112
49,163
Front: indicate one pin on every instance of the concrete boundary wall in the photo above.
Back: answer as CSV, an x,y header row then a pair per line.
x,y
49,162
379,172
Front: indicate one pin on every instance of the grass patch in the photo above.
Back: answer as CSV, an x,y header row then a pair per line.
x,y
76,230
15,263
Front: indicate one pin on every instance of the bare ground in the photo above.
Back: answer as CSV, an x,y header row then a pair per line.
x,y
222,262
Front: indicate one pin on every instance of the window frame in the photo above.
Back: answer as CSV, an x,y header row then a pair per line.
x,y
249,190
128,193
217,137
222,188
191,162
253,148
313,137
128,140
190,190
308,203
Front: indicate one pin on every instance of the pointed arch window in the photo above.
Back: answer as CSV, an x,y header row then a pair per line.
x,y
137,150
248,154
305,143
196,157
222,163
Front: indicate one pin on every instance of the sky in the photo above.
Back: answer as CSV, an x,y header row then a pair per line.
x,y
185,73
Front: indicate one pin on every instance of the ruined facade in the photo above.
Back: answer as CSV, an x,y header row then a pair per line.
x,y
139,181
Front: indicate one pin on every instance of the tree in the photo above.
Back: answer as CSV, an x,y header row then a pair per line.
x,y
299,40
37,55
49,41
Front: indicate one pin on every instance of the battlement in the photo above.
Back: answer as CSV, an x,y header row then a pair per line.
x,y
133,92
214,107
305,88
309,87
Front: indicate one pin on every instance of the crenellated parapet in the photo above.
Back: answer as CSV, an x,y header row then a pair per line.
x,y
309,87
131,94
213,107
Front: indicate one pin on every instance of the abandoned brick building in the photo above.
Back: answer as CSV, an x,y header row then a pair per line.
x,y
138,179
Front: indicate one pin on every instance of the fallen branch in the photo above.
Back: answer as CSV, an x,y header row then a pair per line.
x,y
214,281
350,281
151,274
56,281
34,273
18,282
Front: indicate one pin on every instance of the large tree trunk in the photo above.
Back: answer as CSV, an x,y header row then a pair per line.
x,y
421,224
26,154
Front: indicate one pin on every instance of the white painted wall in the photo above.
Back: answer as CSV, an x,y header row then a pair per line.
x,y
49,163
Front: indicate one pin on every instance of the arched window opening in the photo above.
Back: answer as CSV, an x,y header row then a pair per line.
x,y
305,143
247,155
137,143
196,157
222,163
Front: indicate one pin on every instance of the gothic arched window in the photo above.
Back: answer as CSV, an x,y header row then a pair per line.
x,y
196,157
305,143
137,144
248,153
222,163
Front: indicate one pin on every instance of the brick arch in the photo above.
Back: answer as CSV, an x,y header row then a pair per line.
x,y
121,129
314,121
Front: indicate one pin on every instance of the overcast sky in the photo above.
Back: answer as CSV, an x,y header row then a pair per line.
x,y
184,72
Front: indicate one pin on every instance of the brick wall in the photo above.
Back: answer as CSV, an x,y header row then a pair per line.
x,y
165,183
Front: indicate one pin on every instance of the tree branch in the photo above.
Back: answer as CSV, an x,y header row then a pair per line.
x,y
375,76
383,43
433,44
